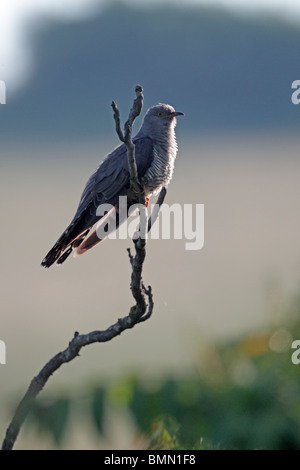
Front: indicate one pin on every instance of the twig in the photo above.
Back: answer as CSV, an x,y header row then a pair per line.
x,y
126,137
138,313
70,353
117,121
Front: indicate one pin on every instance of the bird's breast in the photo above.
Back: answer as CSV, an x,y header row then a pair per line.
x,y
161,169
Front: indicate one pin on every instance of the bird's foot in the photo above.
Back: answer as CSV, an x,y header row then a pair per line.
x,y
147,201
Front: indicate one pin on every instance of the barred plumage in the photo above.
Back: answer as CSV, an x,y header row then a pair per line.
x,y
155,153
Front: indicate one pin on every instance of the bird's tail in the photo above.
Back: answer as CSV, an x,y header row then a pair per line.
x,y
87,238
53,255
67,243
109,224
62,248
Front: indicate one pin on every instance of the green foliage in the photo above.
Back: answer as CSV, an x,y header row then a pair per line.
x,y
163,435
51,417
97,408
244,395
120,393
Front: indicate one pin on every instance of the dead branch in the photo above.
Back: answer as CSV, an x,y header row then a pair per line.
x,y
140,312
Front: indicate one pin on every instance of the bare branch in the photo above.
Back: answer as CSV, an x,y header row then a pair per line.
x,y
137,314
117,121
141,311
70,353
127,139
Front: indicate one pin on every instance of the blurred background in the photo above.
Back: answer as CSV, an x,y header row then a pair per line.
x,y
212,368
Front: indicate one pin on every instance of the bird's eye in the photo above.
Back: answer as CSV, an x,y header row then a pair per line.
x,y
159,114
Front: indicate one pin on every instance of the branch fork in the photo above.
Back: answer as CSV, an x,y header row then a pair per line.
x,y
140,312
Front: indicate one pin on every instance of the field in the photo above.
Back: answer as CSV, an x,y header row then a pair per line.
x,y
240,281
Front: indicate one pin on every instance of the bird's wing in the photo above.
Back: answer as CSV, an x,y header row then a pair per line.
x,y
110,180
112,175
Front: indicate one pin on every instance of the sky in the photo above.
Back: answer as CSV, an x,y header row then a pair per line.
x,y
18,18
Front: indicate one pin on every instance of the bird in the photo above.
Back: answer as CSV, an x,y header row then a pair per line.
x,y
155,153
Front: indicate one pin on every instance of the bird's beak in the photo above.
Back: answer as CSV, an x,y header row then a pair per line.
x,y
176,113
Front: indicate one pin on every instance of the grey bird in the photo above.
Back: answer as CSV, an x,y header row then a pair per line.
x,y
155,153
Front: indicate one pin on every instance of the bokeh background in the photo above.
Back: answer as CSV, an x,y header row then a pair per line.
x,y
212,368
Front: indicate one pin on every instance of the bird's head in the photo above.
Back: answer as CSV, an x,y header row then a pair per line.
x,y
159,118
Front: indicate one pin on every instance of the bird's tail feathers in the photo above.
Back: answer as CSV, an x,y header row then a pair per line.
x,y
105,227
62,249
65,245
53,255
